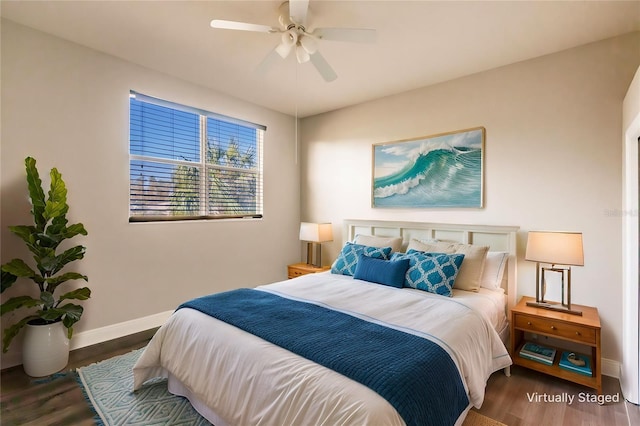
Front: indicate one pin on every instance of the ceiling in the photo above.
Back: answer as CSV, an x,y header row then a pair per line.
x,y
419,43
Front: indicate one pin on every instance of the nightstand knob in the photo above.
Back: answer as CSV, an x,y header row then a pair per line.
x,y
553,327
528,322
578,333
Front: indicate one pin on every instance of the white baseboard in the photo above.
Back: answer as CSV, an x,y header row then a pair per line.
x,y
102,334
610,368
115,331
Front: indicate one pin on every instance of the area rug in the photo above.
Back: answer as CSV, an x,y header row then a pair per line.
x,y
107,386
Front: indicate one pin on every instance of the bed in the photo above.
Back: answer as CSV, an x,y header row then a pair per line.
x,y
351,368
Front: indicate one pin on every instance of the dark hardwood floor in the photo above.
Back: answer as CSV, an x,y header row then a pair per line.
x,y
14,378
518,400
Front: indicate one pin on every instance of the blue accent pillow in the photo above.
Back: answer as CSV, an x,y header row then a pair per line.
x,y
347,260
432,272
426,253
387,272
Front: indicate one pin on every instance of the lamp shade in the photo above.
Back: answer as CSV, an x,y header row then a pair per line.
x,y
316,232
562,248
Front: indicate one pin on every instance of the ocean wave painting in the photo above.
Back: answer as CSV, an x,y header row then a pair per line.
x,y
444,170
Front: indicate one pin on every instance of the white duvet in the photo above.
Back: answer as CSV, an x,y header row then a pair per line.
x,y
234,378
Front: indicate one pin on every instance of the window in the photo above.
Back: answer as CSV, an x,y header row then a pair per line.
x,y
185,163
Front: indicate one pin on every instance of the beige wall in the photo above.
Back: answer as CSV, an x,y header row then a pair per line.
x,y
553,158
68,107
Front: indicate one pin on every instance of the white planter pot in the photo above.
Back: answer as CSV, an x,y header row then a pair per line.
x,y
45,349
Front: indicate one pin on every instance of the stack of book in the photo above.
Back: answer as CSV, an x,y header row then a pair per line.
x,y
538,353
578,363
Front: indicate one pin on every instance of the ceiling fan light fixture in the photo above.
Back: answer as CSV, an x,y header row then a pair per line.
x,y
309,43
283,50
301,54
289,40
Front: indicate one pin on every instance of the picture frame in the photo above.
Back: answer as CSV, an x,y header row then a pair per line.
x,y
445,170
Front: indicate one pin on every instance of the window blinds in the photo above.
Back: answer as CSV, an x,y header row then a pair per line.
x,y
186,163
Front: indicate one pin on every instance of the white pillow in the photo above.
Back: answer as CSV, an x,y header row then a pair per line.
x,y
494,267
432,246
374,241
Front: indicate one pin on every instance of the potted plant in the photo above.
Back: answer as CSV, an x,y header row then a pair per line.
x,y
53,311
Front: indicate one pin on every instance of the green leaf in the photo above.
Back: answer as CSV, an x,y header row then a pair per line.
x,y
57,232
48,240
47,299
80,294
29,234
50,315
73,230
57,227
54,282
17,303
56,206
36,193
72,311
7,280
54,264
25,232
72,316
11,332
18,268
58,224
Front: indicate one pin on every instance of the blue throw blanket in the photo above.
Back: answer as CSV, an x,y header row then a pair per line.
x,y
416,376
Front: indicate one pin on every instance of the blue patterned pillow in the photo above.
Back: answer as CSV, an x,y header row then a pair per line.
x,y
386,272
426,253
432,272
347,260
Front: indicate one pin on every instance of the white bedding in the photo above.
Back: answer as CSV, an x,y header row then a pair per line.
x,y
235,378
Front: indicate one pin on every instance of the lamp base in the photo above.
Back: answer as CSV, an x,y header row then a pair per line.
x,y
555,307
309,253
318,256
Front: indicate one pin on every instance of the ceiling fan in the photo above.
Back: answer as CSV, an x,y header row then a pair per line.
x,y
296,37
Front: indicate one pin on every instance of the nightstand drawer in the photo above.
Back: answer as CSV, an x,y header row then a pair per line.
x,y
300,269
556,328
294,272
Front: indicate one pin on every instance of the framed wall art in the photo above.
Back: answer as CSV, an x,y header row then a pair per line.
x,y
439,171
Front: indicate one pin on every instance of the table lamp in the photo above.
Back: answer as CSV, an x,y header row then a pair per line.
x,y
315,233
555,248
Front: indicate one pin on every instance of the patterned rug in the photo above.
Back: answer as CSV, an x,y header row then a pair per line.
x,y
107,386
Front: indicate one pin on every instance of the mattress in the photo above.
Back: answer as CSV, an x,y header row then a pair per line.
x,y
232,377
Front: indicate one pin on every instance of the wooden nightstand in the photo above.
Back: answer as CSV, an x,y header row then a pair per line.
x,y
581,330
299,269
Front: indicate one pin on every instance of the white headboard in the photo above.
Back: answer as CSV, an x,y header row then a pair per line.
x,y
498,238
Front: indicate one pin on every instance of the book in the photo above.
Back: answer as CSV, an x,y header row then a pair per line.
x,y
580,369
538,353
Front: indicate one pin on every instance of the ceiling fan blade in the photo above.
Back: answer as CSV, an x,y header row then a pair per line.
x,y
243,26
323,67
357,35
268,61
298,11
